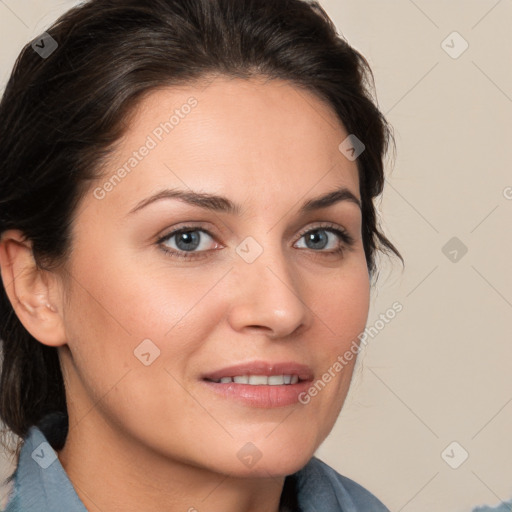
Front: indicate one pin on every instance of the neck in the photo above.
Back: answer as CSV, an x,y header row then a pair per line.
x,y
117,473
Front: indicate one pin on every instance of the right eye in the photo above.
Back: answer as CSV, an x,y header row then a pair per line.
x,y
187,240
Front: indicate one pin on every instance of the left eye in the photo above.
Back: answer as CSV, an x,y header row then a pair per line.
x,y
319,239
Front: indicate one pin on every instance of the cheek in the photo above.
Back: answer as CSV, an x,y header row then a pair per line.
x,y
341,305
342,302
124,305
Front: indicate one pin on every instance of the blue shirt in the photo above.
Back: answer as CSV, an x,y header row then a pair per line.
x,y
504,507
40,484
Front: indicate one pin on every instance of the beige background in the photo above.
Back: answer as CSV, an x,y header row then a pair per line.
x,y
438,372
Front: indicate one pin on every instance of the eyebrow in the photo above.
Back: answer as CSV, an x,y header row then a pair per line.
x,y
222,204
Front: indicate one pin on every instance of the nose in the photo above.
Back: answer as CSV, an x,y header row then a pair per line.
x,y
269,296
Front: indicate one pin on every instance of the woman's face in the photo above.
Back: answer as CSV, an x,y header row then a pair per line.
x,y
154,319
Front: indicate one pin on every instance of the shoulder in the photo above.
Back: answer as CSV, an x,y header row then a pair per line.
x,y
504,507
319,484
40,481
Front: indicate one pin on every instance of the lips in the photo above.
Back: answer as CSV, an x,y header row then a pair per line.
x,y
260,380
260,384
259,373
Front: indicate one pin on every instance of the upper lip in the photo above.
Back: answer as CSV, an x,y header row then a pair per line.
x,y
263,368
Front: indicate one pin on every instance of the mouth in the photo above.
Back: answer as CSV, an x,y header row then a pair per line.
x,y
259,380
262,373
261,384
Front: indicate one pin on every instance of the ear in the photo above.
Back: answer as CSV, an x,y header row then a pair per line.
x,y
35,294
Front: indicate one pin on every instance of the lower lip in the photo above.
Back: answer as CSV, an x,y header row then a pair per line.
x,y
260,396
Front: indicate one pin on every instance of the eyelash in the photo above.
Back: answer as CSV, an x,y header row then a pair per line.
x,y
347,240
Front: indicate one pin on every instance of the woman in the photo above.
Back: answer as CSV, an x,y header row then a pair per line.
x,y
188,239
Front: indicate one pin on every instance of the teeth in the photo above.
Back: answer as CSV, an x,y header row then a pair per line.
x,y
260,380
276,380
255,380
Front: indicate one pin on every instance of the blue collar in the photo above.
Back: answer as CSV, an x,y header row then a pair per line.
x,y
40,482
42,485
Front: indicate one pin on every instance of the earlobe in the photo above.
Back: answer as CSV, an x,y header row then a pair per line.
x,y
33,292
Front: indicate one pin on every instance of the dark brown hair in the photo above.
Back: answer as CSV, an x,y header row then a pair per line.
x,y
60,117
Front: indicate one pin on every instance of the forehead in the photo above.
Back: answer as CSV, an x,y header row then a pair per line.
x,y
217,137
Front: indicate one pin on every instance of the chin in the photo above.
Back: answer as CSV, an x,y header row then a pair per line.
x,y
283,465
269,459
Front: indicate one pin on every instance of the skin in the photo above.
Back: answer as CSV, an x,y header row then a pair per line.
x,y
154,437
